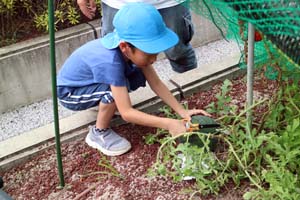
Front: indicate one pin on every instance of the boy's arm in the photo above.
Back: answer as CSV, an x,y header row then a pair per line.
x,y
132,115
164,93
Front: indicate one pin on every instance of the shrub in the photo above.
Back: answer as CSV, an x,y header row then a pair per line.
x,y
23,19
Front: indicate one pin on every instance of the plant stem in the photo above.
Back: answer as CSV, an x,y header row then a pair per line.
x,y
241,164
292,102
246,110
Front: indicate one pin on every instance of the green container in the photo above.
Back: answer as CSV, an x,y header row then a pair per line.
x,y
212,129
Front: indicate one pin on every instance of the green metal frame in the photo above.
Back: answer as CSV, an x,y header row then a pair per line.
x,y
54,93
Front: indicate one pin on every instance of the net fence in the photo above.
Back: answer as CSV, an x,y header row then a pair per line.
x,y
277,30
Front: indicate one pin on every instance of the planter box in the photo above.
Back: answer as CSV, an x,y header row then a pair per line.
x,y
25,70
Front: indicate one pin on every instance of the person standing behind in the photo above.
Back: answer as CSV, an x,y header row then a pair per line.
x,y
176,16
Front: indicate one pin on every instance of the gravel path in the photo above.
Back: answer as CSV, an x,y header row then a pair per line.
x,y
38,114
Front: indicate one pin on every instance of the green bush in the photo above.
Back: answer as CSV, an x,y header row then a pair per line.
x,y
23,19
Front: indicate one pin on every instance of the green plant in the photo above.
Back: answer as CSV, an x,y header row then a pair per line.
x,y
8,30
223,99
167,111
266,155
64,12
23,19
108,168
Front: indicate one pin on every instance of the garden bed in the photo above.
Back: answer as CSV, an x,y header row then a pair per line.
x,y
91,175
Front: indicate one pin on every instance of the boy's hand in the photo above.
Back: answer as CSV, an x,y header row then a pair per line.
x,y
87,7
187,114
176,127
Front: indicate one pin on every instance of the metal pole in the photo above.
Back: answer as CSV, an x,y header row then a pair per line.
x,y
54,93
250,70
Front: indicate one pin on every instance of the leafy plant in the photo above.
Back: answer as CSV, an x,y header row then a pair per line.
x,y
23,18
266,155
223,99
64,12
108,168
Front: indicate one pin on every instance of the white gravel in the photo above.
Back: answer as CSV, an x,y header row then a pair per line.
x,y
38,114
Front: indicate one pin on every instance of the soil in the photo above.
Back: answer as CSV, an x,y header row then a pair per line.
x,y
86,179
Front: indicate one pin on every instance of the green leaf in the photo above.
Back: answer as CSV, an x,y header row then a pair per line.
x,y
248,195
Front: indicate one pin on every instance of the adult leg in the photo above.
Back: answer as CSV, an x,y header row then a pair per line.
x,y
182,57
108,14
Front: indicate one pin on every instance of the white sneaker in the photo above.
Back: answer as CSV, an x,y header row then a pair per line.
x,y
108,142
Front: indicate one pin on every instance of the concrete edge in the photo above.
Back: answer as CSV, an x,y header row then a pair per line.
x,y
44,40
75,126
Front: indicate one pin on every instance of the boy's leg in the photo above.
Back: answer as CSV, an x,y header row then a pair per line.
x,y
100,136
103,138
182,57
105,114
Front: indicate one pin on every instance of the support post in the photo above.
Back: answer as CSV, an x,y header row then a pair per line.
x,y
54,93
250,71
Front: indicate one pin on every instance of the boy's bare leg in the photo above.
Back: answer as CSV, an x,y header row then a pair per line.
x,y
102,137
105,114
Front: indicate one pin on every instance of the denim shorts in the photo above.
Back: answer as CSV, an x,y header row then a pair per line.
x,y
82,98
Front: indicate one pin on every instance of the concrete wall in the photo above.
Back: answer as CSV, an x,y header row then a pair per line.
x,y
25,71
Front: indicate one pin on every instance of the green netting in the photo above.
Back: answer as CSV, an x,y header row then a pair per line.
x,y
278,21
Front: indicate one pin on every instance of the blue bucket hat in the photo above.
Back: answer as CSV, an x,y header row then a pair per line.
x,y
141,25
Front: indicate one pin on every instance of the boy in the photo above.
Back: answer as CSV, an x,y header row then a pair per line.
x,y
103,71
